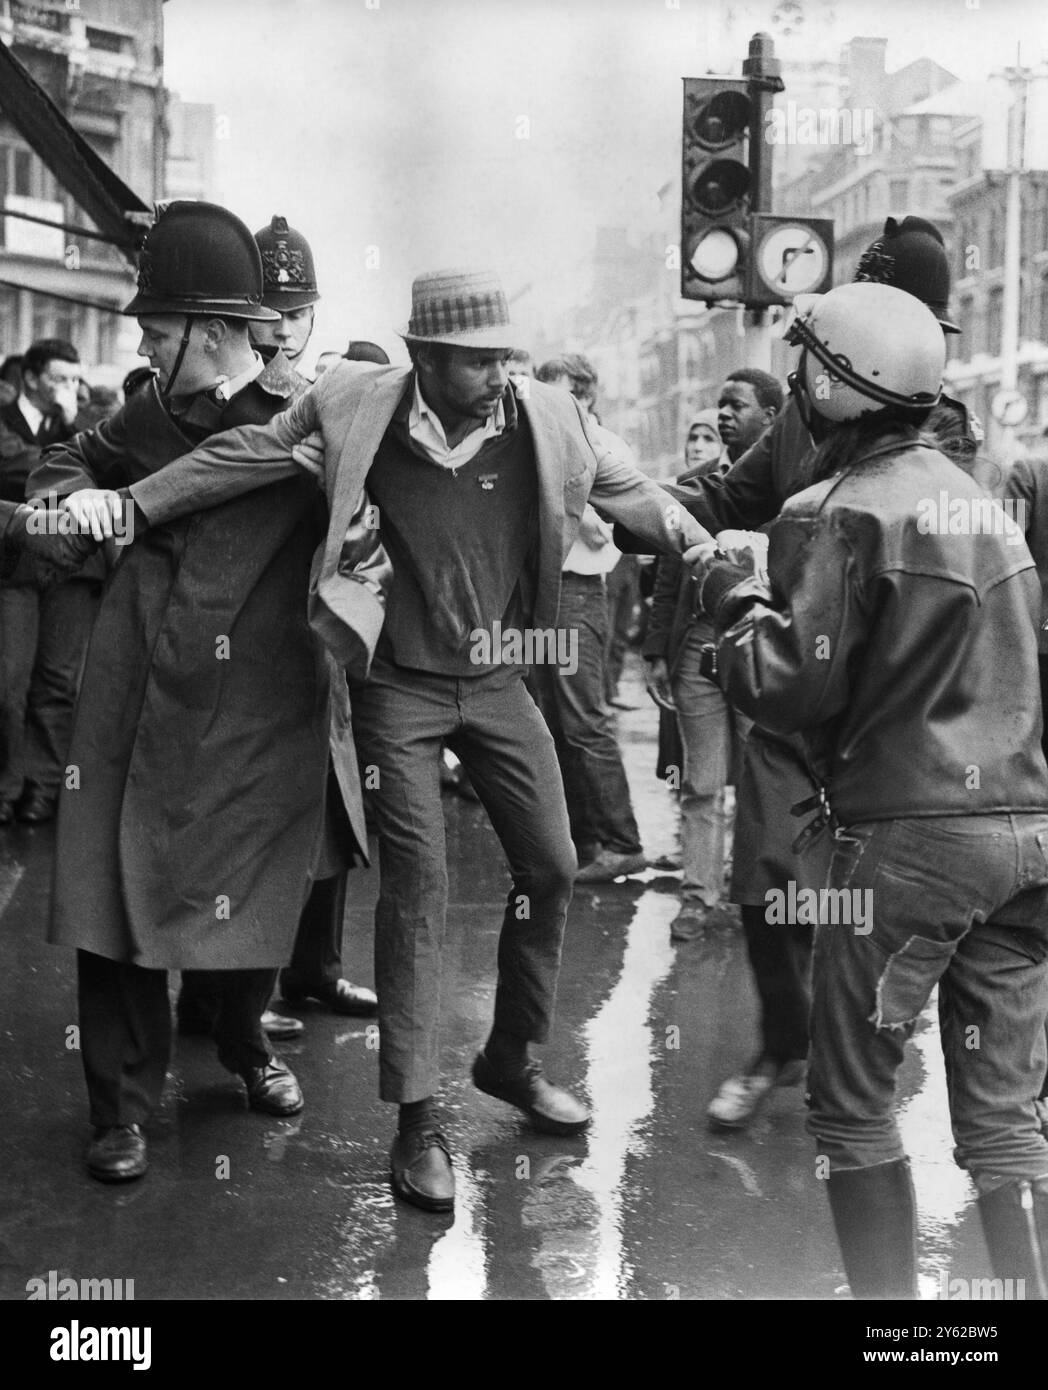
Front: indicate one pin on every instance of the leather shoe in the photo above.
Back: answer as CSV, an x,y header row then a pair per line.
x,y
280,1026
608,866
35,806
339,996
7,813
550,1108
117,1153
272,1088
421,1171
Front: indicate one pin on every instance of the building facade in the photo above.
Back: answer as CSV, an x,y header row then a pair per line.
x,y
101,62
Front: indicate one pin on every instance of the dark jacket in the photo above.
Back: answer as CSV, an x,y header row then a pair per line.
x,y
907,658
673,611
201,739
20,448
1026,482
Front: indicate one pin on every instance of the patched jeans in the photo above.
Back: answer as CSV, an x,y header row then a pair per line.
x,y
958,901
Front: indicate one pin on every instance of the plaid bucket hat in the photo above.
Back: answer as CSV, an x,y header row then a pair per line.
x,y
462,308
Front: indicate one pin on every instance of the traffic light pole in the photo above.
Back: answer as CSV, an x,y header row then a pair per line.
x,y
763,73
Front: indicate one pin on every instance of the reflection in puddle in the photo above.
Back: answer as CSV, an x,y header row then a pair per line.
x,y
578,1204
456,1261
944,1191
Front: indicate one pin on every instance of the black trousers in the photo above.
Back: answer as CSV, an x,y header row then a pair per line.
x,y
316,959
125,1031
780,955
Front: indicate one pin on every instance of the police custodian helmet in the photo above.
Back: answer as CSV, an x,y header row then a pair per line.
x,y
290,279
199,259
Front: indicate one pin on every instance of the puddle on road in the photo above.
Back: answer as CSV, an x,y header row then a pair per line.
x,y
580,1203
944,1191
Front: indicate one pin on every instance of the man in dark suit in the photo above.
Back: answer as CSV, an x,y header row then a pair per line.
x,y
43,631
478,496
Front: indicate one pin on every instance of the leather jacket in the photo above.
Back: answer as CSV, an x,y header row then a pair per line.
x,y
905,657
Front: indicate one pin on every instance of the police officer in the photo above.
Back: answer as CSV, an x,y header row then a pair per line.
x,y
904,652
203,728
290,281
315,972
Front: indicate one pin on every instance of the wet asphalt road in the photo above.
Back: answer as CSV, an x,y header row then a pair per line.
x,y
648,1206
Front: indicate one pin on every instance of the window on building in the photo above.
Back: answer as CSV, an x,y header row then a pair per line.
x,y
940,129
106,41
9,342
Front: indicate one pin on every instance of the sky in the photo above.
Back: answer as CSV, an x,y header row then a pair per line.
x,y
402,136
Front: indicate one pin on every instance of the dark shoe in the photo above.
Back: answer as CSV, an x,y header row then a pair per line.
x,y
7,813
668,863
1015,1223
117,1154
549,1108
875,1217
420,1170
340,997
280,1027
689,922
35,806
272,1088
608,866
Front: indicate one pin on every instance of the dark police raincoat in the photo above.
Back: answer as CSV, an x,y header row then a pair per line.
x,y
201,742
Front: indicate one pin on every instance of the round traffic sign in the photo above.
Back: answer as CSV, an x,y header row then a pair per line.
x,y
792,259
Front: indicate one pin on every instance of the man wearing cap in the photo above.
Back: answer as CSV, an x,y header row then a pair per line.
x,y
289,289
775,783
202,740
479,497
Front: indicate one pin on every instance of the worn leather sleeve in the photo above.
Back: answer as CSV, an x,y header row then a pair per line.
x,y
787,651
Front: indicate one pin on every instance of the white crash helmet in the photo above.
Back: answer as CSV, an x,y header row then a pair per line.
x,y
867,346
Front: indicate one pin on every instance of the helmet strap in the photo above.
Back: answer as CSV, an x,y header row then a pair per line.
x,y
179,356
816,426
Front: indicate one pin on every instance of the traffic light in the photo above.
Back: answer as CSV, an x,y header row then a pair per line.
x,y
715,188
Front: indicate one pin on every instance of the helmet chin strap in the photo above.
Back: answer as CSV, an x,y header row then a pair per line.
x,y
814,423
179,356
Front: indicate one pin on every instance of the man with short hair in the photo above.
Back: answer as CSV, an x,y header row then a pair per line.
x,y
479,496
43,631
203,733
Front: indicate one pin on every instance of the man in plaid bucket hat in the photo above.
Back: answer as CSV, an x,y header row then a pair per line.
x,y
479,494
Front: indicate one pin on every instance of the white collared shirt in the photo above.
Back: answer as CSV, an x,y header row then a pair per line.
x,y
425,428
34,418
227,387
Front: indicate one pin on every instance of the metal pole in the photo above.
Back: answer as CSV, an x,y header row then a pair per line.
x,y
1012,231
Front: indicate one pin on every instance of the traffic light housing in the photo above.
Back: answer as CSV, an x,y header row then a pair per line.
x,y
716,188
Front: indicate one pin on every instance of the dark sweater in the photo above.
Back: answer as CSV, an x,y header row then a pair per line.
x,y
460,542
